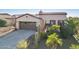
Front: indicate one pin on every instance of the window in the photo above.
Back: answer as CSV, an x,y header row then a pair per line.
x,y
52,22
60,22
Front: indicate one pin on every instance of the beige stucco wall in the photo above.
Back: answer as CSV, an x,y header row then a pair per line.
x,y
27,18
47,18
42,25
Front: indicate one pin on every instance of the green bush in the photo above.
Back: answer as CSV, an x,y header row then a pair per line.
x,y
74,46
53,28
53,41
2,23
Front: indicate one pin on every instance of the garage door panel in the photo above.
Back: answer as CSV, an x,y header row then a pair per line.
x,y
28,25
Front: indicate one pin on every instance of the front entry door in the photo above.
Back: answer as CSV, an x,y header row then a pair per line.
x,y
52,22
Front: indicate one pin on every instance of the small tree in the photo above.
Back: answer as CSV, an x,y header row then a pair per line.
x,y
70,27
53,41
65,32
2,23
72,22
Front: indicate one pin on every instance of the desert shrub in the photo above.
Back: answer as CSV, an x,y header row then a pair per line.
x,y
74,46
23,44
53,41
2,23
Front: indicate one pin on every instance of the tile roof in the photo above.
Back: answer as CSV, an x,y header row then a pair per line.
x,y
29,15
4,14
53,13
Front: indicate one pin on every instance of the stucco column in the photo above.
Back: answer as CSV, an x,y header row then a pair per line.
x,y
17,24
56,22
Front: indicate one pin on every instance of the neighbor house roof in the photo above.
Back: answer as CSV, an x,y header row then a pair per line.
x,y
4,14
9,18
17,15
29,15
52,13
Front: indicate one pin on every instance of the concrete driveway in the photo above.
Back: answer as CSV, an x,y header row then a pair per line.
x,y
10,40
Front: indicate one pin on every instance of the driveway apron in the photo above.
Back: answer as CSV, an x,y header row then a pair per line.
x,y
10,40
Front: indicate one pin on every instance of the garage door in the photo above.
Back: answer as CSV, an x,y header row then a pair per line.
x,y
28,25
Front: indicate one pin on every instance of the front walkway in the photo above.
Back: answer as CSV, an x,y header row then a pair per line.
x,y
10,40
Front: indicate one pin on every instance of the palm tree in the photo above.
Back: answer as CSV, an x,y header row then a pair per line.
x,y
53,41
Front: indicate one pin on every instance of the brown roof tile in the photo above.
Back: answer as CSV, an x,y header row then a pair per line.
x,y
9,18
53,13
29,15
4,14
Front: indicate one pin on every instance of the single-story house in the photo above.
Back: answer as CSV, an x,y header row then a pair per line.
x,y
30,22
35,22
41,20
